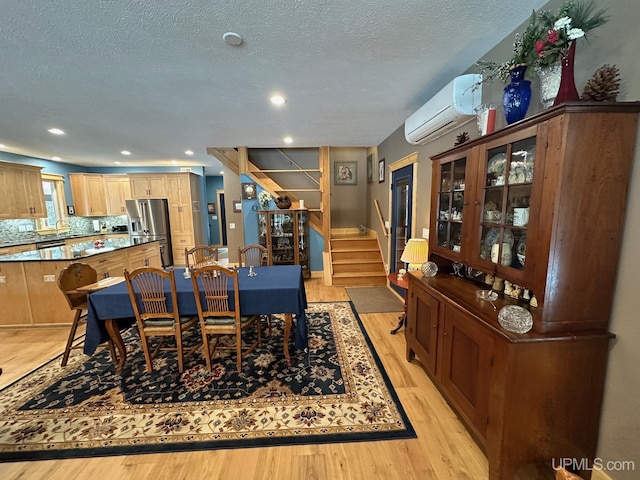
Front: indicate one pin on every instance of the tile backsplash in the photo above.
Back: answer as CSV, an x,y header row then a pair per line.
x,y
24,230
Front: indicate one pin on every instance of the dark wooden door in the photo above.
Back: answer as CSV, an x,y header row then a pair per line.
x,y
465,371
422,328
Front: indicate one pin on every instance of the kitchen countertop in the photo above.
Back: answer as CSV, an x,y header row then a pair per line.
x,y
71,252
50,238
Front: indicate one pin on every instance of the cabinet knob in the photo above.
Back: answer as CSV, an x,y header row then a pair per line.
x,y
434,325
476,202
445,334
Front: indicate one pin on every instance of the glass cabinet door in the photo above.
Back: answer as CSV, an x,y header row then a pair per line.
x,y
282,240
302,220
263,225
451,199
506,199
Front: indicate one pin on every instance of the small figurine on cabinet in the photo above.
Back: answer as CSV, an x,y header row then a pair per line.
x,y
516,290
534,301
488,279
498,284
507,287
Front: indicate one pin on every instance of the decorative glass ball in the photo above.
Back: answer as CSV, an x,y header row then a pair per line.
x,y
429,269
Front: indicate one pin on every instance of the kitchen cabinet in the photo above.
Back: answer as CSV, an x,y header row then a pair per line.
x,y
285,234
89,197
539,204
184,214
146,255
22,190
148,185
117,191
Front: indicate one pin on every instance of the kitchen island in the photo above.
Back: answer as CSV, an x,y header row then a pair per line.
x,y
29,292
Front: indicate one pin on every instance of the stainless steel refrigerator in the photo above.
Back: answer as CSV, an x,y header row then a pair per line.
x,y
149,220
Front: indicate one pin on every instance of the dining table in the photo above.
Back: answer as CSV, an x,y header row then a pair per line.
x,y
275,289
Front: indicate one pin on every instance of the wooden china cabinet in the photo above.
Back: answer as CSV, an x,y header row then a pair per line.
x,y
285,234
540,204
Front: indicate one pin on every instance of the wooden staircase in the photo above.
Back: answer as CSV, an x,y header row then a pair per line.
x,y
356,260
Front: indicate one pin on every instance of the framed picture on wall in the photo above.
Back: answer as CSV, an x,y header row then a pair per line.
x,y
249,191
345,173
237,206
211,208
370,168
381,170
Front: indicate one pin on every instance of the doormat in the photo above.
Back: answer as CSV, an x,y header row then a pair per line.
x,y
374,300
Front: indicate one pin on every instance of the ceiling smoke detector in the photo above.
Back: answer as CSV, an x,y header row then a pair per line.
x,y
232,39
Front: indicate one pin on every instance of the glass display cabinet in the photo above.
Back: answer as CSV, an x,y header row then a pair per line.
x,y
285,234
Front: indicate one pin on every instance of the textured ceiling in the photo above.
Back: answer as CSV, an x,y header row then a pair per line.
x,y
155,77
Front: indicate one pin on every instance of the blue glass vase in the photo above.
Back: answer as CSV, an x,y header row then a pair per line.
x,y
517,95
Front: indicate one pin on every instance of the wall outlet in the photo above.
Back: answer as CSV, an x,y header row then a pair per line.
x,y
3,279
425,233
49,278
232,226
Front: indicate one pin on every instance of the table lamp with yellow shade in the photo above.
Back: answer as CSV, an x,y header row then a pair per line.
x,y
415,253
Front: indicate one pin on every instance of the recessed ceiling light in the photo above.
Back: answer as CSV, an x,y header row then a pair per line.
x,y
56,131
125,152
56,159
117,163
188,152
232,38
288,139
174,162
221,172
278,100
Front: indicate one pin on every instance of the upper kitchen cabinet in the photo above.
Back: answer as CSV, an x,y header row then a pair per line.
x,y
148,185
89,195
541,204
22,190
118,191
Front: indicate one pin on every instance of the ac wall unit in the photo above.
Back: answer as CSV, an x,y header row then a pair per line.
x,y
449,108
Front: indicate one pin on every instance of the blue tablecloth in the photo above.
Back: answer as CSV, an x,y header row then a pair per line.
x,y
275,289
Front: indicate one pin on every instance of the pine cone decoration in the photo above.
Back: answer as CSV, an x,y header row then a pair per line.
x,y
603,86
462,138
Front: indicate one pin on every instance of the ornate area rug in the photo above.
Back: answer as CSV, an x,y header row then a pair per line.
x,y
335,392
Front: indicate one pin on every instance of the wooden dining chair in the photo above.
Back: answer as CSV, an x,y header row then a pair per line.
x,y
200,255
219,315
74,276
150,290
255,255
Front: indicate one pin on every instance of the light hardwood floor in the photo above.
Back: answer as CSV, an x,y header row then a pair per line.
x,y
443,449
